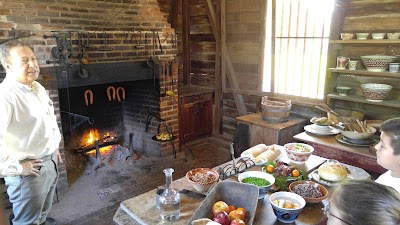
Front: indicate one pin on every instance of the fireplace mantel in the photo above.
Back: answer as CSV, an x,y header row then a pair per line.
x,y
102,73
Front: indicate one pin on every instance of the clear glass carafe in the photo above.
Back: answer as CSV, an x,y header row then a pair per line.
x,y
170,199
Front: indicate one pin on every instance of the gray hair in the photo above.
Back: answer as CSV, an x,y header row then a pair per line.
x,y
5,50
365,202
391,127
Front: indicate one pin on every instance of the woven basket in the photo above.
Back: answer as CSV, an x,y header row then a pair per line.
x,y
275,111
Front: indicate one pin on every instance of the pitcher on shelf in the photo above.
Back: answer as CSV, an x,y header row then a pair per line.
x,y
342,61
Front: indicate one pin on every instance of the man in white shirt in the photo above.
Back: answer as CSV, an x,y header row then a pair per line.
x,y
29,137
388,153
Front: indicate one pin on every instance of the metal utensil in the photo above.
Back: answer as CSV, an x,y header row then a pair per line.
x,y
193,194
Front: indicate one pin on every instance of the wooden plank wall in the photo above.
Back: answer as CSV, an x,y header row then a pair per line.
x,y
373,16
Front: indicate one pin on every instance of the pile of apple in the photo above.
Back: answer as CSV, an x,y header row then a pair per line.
x,y
225,214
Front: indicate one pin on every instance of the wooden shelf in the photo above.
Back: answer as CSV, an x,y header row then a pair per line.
x,y
368,41
365,73
361,99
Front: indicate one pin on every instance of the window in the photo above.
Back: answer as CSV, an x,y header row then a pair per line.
x,y
298,41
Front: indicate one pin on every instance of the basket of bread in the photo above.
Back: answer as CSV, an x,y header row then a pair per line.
x,y
262,153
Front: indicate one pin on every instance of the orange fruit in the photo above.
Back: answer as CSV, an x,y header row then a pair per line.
x,y
295,173
270,168
241,209
231,208
236,214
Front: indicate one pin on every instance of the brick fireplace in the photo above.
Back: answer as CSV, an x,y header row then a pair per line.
x,y
119,108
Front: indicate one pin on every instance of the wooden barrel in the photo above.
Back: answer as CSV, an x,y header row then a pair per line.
x,y
275,111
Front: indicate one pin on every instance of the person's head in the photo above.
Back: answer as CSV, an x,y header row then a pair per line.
x,y
364,202
19,61
388,149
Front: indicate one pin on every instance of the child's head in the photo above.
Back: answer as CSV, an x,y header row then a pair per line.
x,y
375,204
388,149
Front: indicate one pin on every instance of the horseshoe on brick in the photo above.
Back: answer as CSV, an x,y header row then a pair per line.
x,y
122,92
88,95
111,93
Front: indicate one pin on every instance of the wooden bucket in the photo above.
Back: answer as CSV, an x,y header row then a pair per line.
x,y
274,111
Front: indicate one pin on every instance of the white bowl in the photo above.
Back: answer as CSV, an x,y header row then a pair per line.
x,y
375,92
393,35
200,185
357,135
377,63
362,36
378,35
343,91
346,36
283,214
262,190
294,153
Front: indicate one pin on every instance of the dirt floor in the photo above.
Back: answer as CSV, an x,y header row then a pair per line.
x,y
95,196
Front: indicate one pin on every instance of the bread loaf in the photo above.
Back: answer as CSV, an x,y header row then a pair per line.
x,y
257,150
332,171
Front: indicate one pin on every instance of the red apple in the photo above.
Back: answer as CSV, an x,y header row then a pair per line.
x,y
222,218
220,206
237,222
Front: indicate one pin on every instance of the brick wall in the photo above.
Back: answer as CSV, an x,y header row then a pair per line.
x,y
117,21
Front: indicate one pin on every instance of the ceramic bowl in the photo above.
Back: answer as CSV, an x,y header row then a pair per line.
x,y
202,178
375,92
346,36
298,152
393,35
262,190
377,63
320,188
286,215
362,36
343,91
378,35
357,135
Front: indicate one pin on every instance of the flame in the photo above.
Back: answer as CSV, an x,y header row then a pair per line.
x,y
93,135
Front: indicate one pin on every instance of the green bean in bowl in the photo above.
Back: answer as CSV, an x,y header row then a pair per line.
x,y
263,180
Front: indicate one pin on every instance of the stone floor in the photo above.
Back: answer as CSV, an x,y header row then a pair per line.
x,y
95,197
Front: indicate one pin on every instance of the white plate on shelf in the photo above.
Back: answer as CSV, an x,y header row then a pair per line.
x,y
247,154
331,131
356,173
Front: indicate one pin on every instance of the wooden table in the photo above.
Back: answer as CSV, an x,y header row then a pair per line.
x,y
329,147
142,210
263,132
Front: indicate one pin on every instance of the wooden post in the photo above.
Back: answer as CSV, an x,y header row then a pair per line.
x,y
186,41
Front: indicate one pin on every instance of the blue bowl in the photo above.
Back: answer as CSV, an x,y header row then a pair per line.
x,y
286,215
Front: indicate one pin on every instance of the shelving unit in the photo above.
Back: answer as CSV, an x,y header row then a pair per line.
x,y
361,99
365,73
353,78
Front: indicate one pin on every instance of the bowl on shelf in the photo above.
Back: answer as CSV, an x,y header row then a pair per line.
x,y
346,36
262,190
343,91
378,35
393,35
375,92
298,152
377,63
202,178
286,205
362,36
307,189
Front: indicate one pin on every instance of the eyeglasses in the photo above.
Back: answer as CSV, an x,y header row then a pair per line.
x,y
327,212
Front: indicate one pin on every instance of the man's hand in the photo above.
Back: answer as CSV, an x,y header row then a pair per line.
x,y
31,167
58,155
